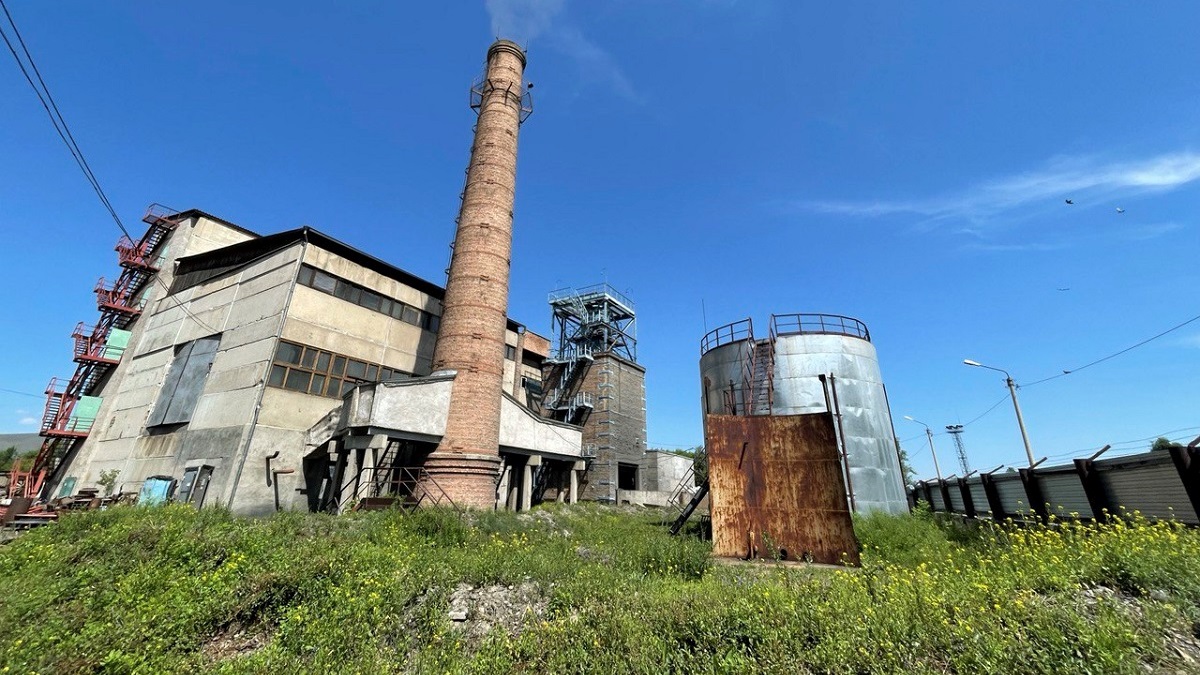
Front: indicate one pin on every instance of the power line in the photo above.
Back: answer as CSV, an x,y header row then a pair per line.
x,y
1115,354
986,412
68,139
21,393
56,117
1134,441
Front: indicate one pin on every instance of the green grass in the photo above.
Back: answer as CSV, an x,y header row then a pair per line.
x,y
161,590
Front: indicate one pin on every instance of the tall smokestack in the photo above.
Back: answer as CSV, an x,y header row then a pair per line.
x,y
475,309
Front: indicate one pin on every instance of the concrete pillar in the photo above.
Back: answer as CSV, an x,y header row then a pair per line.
x,y
575,469
368,473
503,486
532,462
475,307
527,488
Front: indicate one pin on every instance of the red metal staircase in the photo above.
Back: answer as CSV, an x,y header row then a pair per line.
x,y
120,304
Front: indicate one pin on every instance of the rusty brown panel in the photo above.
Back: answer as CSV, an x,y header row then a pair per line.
x,y
780,477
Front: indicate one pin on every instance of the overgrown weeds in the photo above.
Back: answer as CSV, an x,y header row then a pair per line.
x,y
173,590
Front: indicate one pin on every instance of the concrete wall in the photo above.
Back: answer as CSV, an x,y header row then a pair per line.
x,y
245,308
663,470
131,387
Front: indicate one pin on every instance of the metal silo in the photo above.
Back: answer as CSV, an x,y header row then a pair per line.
x,y
816,363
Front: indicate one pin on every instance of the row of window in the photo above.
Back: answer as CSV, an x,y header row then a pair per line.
x,y
365,297
322,373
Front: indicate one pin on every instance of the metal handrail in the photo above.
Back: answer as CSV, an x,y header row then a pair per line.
x,y
594,289
414,478
727,334
818,324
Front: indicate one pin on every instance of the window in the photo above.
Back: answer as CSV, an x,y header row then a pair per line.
x,y
510,352
288,352
185,382
365,297
321,373
627,477
322,281
372,300
411,315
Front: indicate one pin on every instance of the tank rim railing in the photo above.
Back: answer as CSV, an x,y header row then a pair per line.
x,y
818,324
727,334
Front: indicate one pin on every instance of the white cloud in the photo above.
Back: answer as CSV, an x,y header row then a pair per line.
x,y
1079,178
526,20
27,421
1192,341
522,20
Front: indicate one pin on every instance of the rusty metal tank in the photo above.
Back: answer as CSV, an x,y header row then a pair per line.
x,y
812,363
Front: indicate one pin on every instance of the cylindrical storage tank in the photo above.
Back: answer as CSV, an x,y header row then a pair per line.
x,y
800,348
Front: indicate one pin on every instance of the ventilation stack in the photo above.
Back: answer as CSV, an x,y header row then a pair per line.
x,y
475,310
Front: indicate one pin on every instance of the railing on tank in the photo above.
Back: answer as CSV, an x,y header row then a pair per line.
x,y
738,330
818,324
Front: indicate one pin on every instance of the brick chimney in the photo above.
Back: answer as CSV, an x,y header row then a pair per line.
x,y
475,309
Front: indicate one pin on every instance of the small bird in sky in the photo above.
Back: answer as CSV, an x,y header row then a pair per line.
x,y
1069,201
1120,210
1064,289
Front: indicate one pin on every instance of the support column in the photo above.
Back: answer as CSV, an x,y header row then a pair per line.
x,y
575,469
368,463
503,486
526,488
527,481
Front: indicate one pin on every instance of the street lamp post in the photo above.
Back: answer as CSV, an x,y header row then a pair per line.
x,y
1012,390
929,435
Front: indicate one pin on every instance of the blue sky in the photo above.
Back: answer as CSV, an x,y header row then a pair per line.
x,y
903,163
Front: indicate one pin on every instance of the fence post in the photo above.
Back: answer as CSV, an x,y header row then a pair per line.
x,y
945,490
1097,496
993,495
1187,463
968,503
1033,491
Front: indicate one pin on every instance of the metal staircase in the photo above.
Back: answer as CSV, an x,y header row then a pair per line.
x,y
762,379
119,303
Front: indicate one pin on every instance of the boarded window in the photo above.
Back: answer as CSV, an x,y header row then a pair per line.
x,y
185,382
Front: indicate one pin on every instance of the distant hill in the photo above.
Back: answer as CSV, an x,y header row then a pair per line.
x,y
24,442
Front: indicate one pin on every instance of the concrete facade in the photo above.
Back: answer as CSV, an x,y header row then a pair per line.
x,y
296,320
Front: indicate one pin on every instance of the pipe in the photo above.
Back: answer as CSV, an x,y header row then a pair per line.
x,y
842,433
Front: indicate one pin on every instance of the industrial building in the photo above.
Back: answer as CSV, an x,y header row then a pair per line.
x,y
293,370
593,379
241,350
